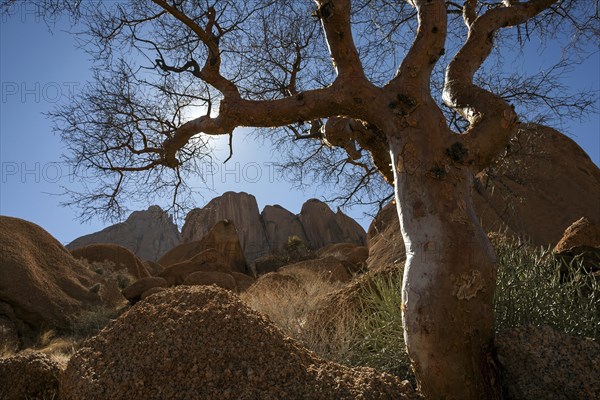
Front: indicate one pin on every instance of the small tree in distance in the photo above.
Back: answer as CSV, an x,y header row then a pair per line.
x,y
345,74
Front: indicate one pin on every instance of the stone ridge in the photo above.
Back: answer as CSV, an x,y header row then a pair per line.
x,y
148,234
268,232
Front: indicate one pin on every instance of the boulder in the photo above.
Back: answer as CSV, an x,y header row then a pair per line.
x,y
153,267
348,252
134,292
280,225
185,343
221,279
242,281
581,240
270,263
541,363
152,291
386,246
148,234
542,183
328,267
41,285
239,208
30,375
322,226
222,238
119,256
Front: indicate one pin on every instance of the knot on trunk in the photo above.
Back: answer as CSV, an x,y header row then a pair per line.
x,y
467,285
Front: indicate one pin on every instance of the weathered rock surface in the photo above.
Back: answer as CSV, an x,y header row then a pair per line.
x,y
119,256
386,246
222,238
148,234
537,190
328,267
348,252
280,224
242,281
221,279
543,183
541,363
29,375
185,343
242,210
266,234
581,241
41,285
322,226
134,292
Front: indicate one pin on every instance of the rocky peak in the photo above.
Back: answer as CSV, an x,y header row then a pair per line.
x,y
242,210
148,234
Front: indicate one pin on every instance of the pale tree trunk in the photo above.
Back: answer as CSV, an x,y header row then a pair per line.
x,y
449,279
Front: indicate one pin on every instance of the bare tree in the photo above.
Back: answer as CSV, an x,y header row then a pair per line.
x,y
398,86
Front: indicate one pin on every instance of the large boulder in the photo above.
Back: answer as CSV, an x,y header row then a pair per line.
x,y
148,234
330,268
543,183
114,257
322,226
239,208
202,342
385,243
222,238
134,292
280,225
221,279
535,191
29,375
41,285
581,241
541,363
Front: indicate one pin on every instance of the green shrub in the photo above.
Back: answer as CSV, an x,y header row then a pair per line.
x,y
90,322
534,287
379,338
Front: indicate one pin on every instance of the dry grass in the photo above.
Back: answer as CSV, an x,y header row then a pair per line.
x,y
290,300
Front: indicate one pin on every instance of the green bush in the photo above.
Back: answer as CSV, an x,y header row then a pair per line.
x,y
379,340
533,287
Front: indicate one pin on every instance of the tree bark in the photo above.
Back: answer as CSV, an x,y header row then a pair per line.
x,y
449,276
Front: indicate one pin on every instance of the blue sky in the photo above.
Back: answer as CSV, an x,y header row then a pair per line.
x,y
38,69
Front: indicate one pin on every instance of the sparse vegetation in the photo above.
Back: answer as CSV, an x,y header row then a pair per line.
x,y
533,288
109,271
90,322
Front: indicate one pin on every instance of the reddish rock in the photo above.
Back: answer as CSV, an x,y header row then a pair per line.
x,y
185,343
541,363
207,260
329,267
41,285
280,225
134,292
29,375
322,226
386,246
222,238
239,208
119,256
153,267
349,252
581,241
221,279
151,291
581,233
543,183
242,281
148,234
